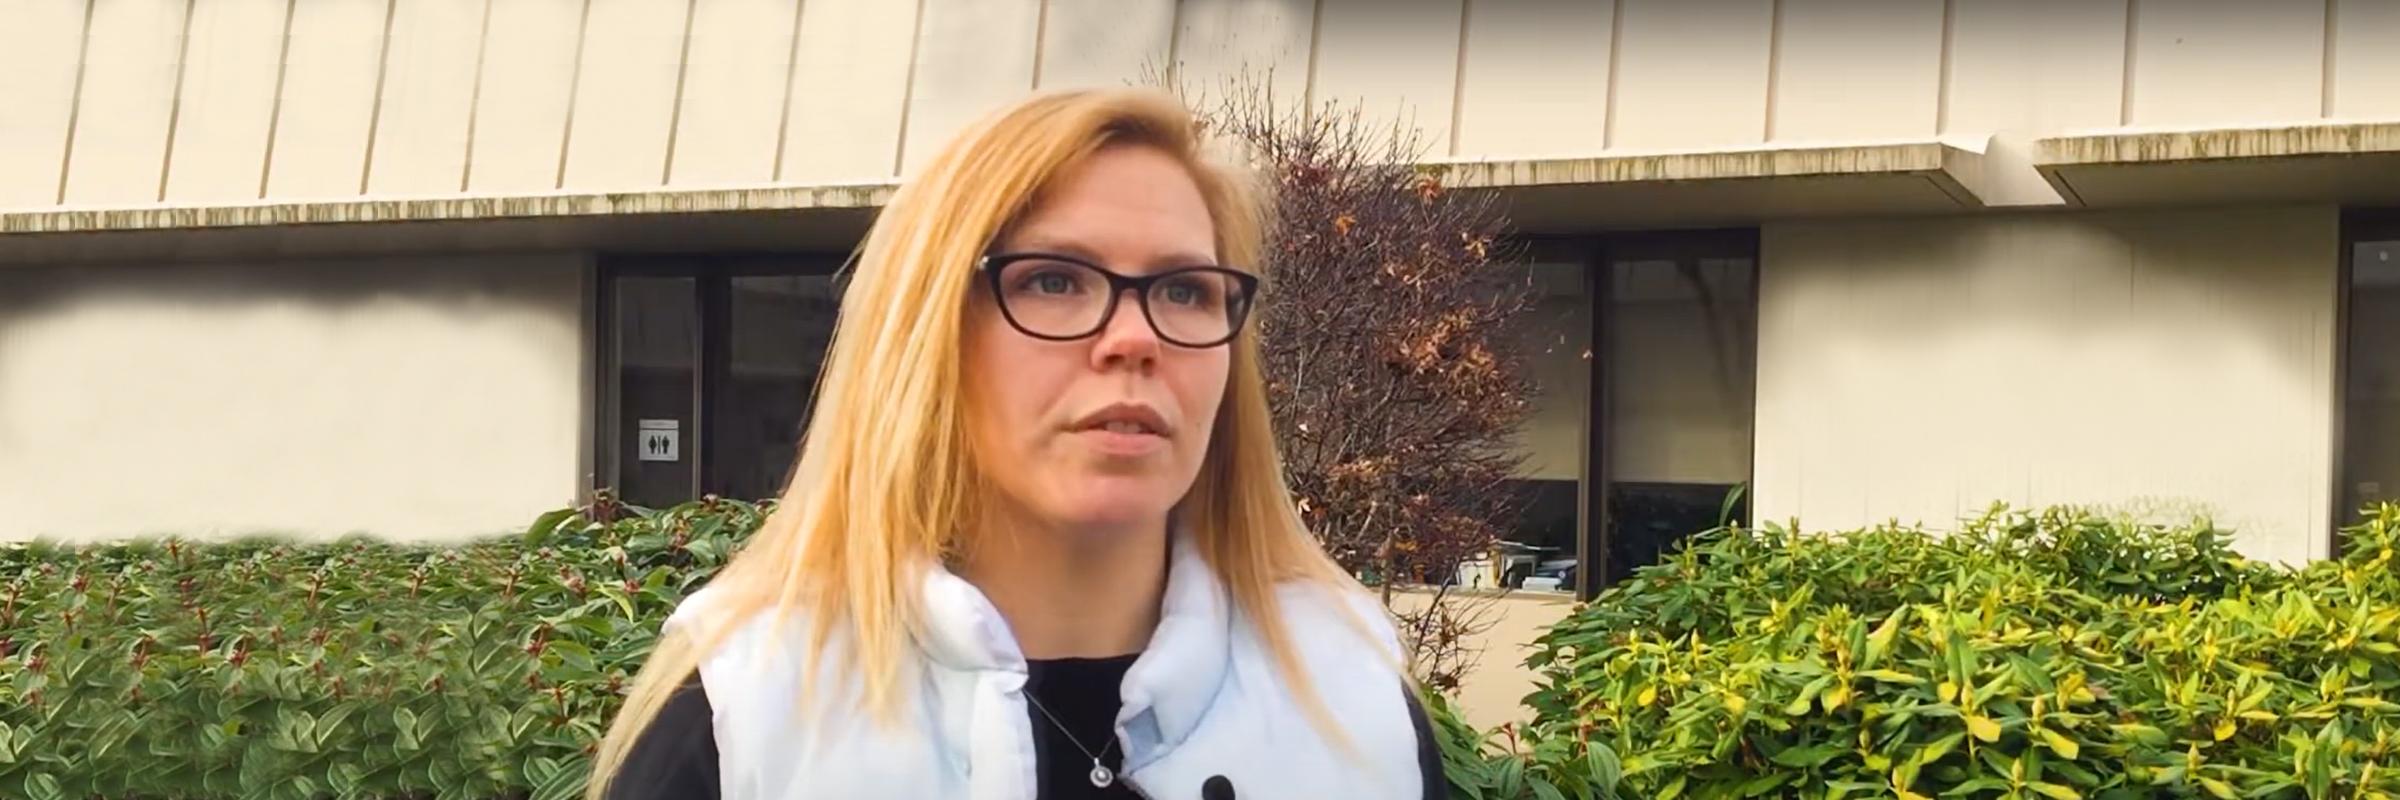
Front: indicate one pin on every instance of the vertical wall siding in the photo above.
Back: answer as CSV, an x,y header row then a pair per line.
x,y
1534,79
227,101
39,48
739,63
1692,74
1386,58
1271,40
430,97
2218,62
1099,43
330,81
2365,65
1855,70
972,57
118,148
625,100
528,54
848,91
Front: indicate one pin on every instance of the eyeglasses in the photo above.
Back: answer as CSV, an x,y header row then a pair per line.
x,y
1063,298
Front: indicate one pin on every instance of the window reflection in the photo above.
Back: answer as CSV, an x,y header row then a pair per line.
x,y
1682,333
780,327
2371,422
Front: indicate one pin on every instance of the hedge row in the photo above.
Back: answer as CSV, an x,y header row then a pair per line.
x,y
2058,654
264,668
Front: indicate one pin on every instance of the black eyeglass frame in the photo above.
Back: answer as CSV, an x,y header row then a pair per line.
x,y
1238,308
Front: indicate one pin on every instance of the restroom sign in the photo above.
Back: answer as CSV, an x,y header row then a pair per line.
x,y
658,440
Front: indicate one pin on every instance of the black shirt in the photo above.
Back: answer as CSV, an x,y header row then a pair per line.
x,y
1082,693
676,757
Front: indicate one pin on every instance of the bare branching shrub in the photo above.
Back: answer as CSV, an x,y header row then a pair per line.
x,y
1388,327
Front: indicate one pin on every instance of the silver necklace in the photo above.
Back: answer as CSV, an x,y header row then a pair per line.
x,y
1101,775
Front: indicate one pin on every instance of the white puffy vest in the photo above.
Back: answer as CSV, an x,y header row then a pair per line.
x,y
1203,700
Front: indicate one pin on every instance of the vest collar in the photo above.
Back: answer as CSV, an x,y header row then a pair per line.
x,y
1166,690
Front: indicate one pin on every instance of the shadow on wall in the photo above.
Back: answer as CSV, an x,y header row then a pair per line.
x,y
2052,358
411,398
2182,285
468,286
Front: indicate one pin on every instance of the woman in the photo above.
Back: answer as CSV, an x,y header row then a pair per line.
x,y
1038,544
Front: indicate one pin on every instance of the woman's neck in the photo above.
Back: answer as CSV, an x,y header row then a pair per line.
x,y
1073,592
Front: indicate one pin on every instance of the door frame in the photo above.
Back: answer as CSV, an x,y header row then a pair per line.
x,y
2357,225
712,275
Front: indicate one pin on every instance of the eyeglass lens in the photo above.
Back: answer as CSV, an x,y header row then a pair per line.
x,y
1064,299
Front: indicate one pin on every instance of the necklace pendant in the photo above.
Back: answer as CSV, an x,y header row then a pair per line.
x,y
1101,776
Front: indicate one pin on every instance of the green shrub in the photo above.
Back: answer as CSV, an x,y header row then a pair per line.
x,y
1504,765
263,668
2056,655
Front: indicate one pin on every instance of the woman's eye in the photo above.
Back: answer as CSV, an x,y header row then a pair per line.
x,y
1052,281
1189,291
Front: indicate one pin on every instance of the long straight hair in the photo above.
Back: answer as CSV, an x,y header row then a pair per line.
x,y
886,486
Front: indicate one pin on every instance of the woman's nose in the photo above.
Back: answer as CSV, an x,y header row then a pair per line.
x,y
1128,336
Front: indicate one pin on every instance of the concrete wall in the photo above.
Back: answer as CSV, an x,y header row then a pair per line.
x,y
418,399
241,100
1494,687
2168,361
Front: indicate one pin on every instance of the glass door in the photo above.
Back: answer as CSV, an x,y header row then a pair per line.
x,y
710,366
778,328
655,342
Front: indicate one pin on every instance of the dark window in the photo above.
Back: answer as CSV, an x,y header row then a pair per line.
x,y
779,328
1546,516
1666,324
1549,440
1680,365
2371,367
710,367
1648,518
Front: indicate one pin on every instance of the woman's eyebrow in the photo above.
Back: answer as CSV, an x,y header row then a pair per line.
x,y
1038,244
1172,258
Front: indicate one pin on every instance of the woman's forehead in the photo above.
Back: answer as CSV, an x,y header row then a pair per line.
x,y
1121,256
1136,205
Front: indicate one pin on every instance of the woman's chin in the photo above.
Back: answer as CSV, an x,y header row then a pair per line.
x,y
1098,508
1116,518
1096,500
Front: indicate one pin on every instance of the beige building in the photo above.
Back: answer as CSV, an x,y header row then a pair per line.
x,y
427,267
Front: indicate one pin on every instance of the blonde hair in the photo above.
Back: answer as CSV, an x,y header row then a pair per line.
x,y
886,485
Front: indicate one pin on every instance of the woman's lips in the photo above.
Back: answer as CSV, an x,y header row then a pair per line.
x,y
1121,442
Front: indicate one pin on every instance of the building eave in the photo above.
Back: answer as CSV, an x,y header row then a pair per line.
x,y
1731,186
446,209
1542,195
2338,162
827,218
